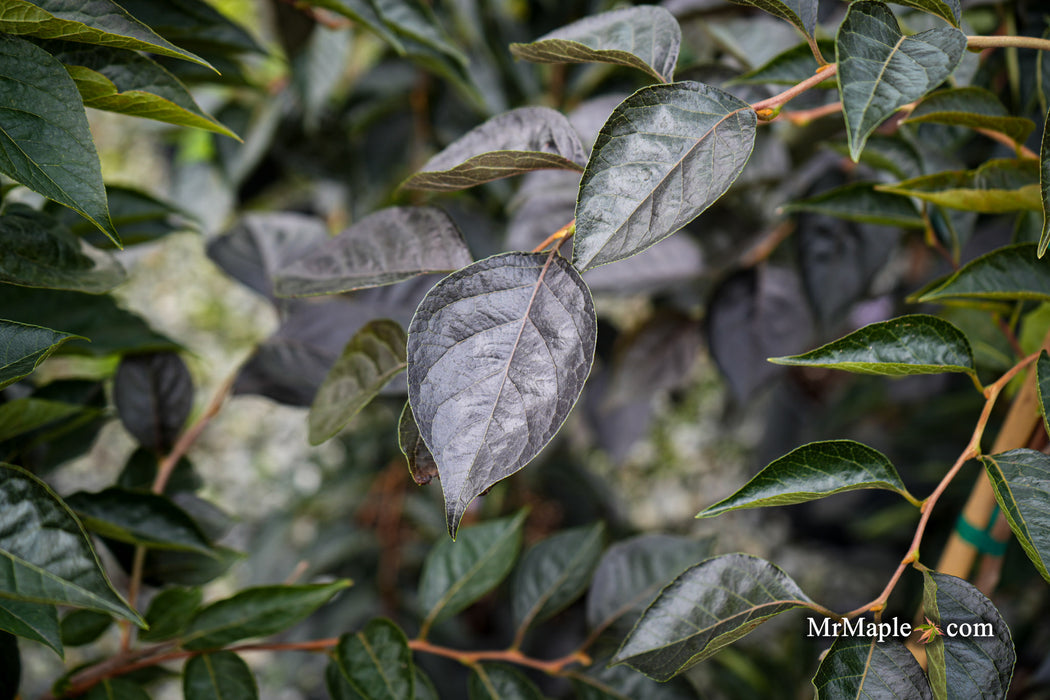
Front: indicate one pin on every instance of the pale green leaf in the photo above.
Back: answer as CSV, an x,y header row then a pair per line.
x,y
971,107
996,187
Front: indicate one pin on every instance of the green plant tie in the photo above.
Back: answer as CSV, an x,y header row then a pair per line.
x,y
982,540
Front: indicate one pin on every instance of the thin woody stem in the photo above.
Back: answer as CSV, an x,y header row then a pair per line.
x,y
776,101
1020,42
558,237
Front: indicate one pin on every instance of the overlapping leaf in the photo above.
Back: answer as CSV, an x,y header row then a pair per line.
x,y
139,518
1042,373
94,323
971,107
23,347
1021,481
631,573
81,627
364,12
881,70
966,666
914,344
694,617
40,252
421,464
256,612
169,612
645,37
100,22
497,355
948,10
664,156
153,393
221,675
1008,273
195,24
455,574
801,13
389,246
372,358
501,682
602,682
789,67
553,573
860,201
814,471
117,689
47,556
138,216
377,662
997,186
123,81
858,667
512,143
35,621
20,416
45,143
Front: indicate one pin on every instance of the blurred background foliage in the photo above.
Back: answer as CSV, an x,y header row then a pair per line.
x,y
681,407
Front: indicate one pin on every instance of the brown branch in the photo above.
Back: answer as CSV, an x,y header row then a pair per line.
x,y
774,103
558,236
1019,148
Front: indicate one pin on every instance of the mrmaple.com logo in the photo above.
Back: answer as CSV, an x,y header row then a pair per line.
x,y
880,631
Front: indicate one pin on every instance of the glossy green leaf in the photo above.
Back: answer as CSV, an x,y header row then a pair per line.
x,y
455,574
20,416
801,13
664,156
915,344
94,322
881,70
46,143
389,246
1008,273
100,22
497,356
512,143
633,571
1042,373
139,518
814,471
123,81
971,107
1021,481
948,10
789,67
40,252
421,464
646,38
708,607
47,556
961,665
374,356
1044,185
23,347
415,22
221,675
864,667
501,682
170,612
376,662
188,568
997,186
554,573
256,612
81,627
117,689
35,621
861,202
